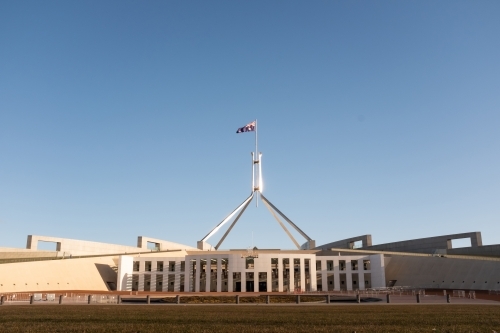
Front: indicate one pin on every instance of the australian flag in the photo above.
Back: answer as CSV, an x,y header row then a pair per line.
x,y
247,128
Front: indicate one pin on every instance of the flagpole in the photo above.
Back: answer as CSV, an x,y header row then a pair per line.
x,y
257,156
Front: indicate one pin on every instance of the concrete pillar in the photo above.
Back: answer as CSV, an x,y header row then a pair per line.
x,y
164,282
297,300
208,274
60,299
280,274
348,274
89,299
140,287
197,278
303,274
292,274
418,298
256,282
219,275
269,279
361,275
237,299
118,299
152,285
324,278
230,279
31,299
178,299
327,299
148,299
243,281
388,298
268,299
2,300
358,298
448,298
336,274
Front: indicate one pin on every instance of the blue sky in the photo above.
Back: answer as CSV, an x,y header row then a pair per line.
x,y
118,119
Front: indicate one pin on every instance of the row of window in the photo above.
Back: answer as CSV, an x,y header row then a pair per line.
x,y
148,265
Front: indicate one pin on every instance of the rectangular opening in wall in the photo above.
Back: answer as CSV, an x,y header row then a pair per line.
x,y
147,282
366,265
262,281
343,282
318,265
250,282
159,266
136,266
135,282
147,266
171,282
355,281
203,274
319,282
182,282
342,265
224,274
274,274
159,282
368,280
153,246
237,281
249,263
171,266
330,282
213,275
357,244
461,242
354,265
329,265
286,274
183,266
48,246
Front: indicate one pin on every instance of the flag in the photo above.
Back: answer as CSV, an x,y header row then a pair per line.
x,y
250,127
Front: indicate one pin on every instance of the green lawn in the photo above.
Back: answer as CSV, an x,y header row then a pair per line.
x,y
255,318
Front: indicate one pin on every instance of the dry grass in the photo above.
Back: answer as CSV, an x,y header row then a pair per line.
x,y
255,318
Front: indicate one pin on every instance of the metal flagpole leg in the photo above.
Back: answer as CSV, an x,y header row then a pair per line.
x,y
232,225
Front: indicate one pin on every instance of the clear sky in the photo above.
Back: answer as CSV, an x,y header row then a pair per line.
x,y
118,119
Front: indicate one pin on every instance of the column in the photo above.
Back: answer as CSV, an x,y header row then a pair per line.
x,y
243,281
336,274
280,274
230,273
361,275
269,277
303,273
208,274
292,274
348,274
198,272
177,279
219,275
312,273
324,277
152,287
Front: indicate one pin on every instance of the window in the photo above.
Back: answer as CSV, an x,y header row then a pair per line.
x,y
183,266
318,265
329,265
171,266
159,266
136,266
148,266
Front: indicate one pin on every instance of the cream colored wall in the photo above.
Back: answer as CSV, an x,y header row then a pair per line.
x,y
67,274
443,272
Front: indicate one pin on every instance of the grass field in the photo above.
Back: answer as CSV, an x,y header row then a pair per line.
x,y
256,318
